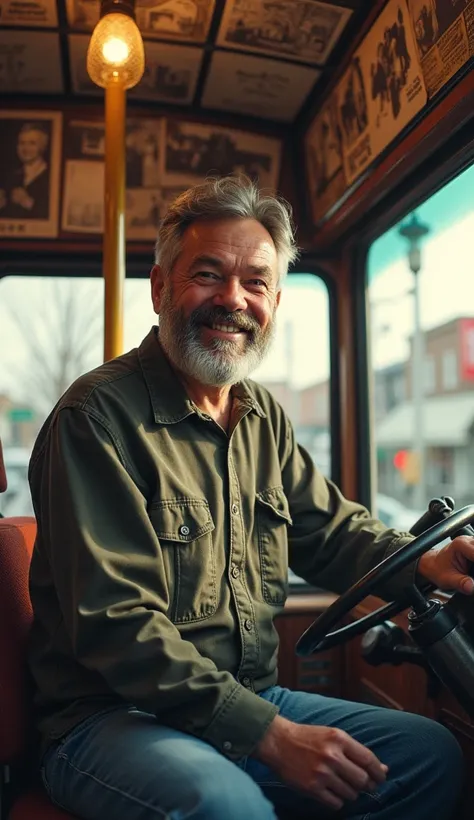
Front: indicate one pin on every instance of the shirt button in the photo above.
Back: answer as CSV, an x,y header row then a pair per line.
x,y
235,572
246,682
184,530
248,625
227,745
235,509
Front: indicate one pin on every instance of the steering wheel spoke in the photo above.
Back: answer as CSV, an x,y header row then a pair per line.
x,y
321,635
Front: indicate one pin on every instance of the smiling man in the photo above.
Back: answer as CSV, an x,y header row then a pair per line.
x,y
171,497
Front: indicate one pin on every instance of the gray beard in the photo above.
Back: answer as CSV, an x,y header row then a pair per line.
x,y
219,363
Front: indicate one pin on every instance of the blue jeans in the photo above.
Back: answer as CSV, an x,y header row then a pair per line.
x,y
121,764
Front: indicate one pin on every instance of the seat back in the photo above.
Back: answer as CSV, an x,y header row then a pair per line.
x,y
3,472
17,536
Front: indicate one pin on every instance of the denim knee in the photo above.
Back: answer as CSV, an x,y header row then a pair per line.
x,y
215,799
442,753
436,769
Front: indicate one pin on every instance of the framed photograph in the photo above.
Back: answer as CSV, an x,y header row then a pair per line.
x,y
83,201
324,160
171,73
30,62
194,150
81,82
34,13
145,208
381,91
443,32
253,85
186,20
303,30
29,173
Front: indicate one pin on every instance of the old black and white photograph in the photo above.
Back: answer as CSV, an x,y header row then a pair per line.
x,y
303,30
33,13
30,62
83,200
145,207
253,85
325,144
382,90
194,150
186,20
324,162
389,70
83,197
396,84
443,33
84,172
353,106
29,172
171,73
432,18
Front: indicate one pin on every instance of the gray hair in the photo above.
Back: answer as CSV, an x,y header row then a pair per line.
x,y
223,197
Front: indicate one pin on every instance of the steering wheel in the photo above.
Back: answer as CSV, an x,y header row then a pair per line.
x,y
319,637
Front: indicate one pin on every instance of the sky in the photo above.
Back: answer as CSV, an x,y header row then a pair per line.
x,y
300,353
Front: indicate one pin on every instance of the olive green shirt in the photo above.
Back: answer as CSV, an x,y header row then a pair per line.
x,y
163,547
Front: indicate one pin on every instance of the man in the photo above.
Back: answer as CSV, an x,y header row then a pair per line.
x,y
25,194
169,493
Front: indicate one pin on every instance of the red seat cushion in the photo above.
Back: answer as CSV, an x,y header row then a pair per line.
x,y
17,537
3,474
36,806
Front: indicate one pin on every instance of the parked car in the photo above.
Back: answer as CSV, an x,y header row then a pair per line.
x,y
394,514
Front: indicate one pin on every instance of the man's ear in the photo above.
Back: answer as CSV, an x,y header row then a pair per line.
x,y
157,282
277,298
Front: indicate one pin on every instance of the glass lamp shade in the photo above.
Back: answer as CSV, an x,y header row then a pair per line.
x,y
116,52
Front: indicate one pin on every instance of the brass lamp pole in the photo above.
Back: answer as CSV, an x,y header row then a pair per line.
x,y
115,61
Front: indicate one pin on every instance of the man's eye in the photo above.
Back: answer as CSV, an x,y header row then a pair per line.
x,y
259,283
206,274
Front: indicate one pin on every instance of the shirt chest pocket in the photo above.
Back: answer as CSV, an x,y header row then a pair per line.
x,y
273,517
184,527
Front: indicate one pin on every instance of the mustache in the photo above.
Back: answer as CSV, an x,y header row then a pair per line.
x,y
209,315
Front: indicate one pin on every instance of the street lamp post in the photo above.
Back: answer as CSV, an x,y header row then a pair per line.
x,y
414,231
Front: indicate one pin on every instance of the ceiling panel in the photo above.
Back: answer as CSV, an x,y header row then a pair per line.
x,y
264,59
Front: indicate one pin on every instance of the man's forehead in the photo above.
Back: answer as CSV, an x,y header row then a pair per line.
x,y
230,237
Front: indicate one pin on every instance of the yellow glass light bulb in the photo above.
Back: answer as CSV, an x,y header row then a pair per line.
x,y
116,52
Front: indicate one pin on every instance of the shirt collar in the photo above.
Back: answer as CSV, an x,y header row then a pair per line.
x,y
168,397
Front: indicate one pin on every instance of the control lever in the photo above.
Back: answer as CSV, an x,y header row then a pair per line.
x,y
388,643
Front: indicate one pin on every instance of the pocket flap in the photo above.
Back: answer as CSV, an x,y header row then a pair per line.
x,y
275,499
182,520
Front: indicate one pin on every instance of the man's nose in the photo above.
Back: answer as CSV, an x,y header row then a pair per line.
x,y
230,294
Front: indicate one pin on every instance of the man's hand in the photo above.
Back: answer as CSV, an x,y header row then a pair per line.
x,y
21,197
321,761
448,566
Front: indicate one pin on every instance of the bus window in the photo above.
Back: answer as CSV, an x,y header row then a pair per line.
x,y
421,313
51,332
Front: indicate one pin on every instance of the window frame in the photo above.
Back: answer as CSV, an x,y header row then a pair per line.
x,y
448,162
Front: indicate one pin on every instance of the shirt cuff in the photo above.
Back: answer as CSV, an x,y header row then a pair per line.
x,y
240,724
